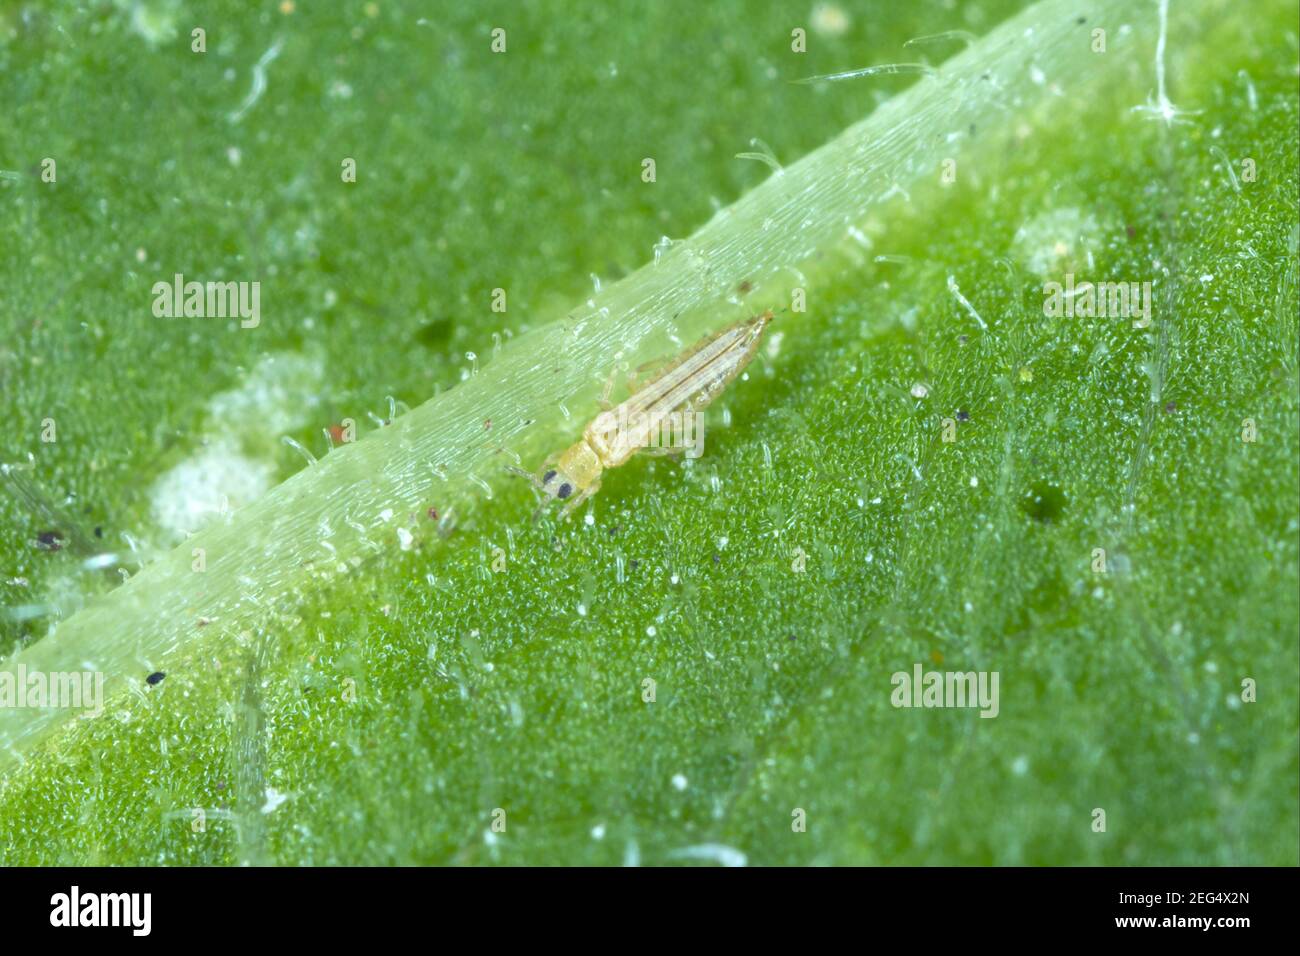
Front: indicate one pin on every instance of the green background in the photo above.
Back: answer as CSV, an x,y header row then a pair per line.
x,y
522,690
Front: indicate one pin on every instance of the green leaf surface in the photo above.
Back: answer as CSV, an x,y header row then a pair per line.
x,y
829,537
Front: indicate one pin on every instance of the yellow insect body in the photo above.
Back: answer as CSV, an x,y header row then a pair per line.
x,y
683,387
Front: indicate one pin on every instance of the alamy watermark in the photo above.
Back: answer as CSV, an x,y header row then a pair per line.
x,y
75,908
58,690
677,430
946,689
210,300
1100,300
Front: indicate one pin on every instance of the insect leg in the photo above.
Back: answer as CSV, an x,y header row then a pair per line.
x,y
607,391
662,451
655,367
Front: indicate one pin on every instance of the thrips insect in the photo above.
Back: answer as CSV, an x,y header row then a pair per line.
x,y
687,384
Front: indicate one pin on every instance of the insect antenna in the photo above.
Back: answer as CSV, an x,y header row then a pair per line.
x,y
528,476
536,484
543,502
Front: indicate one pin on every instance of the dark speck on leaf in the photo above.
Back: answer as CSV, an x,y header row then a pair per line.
x,y
1044,502
1171,407
155,678
632,564
962,340
717,558
50,540
790,637
99,532
963,415
434,335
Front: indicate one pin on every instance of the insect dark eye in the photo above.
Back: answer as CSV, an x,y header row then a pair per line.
x,y
546,478
566,489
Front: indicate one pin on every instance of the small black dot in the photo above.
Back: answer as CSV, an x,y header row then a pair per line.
x,y
50,540
99,532
155,678
548,476
566,489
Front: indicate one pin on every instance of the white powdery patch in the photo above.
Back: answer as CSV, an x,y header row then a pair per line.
x,y
273,800
1059,240
830,20
153,20
278,396
218,478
